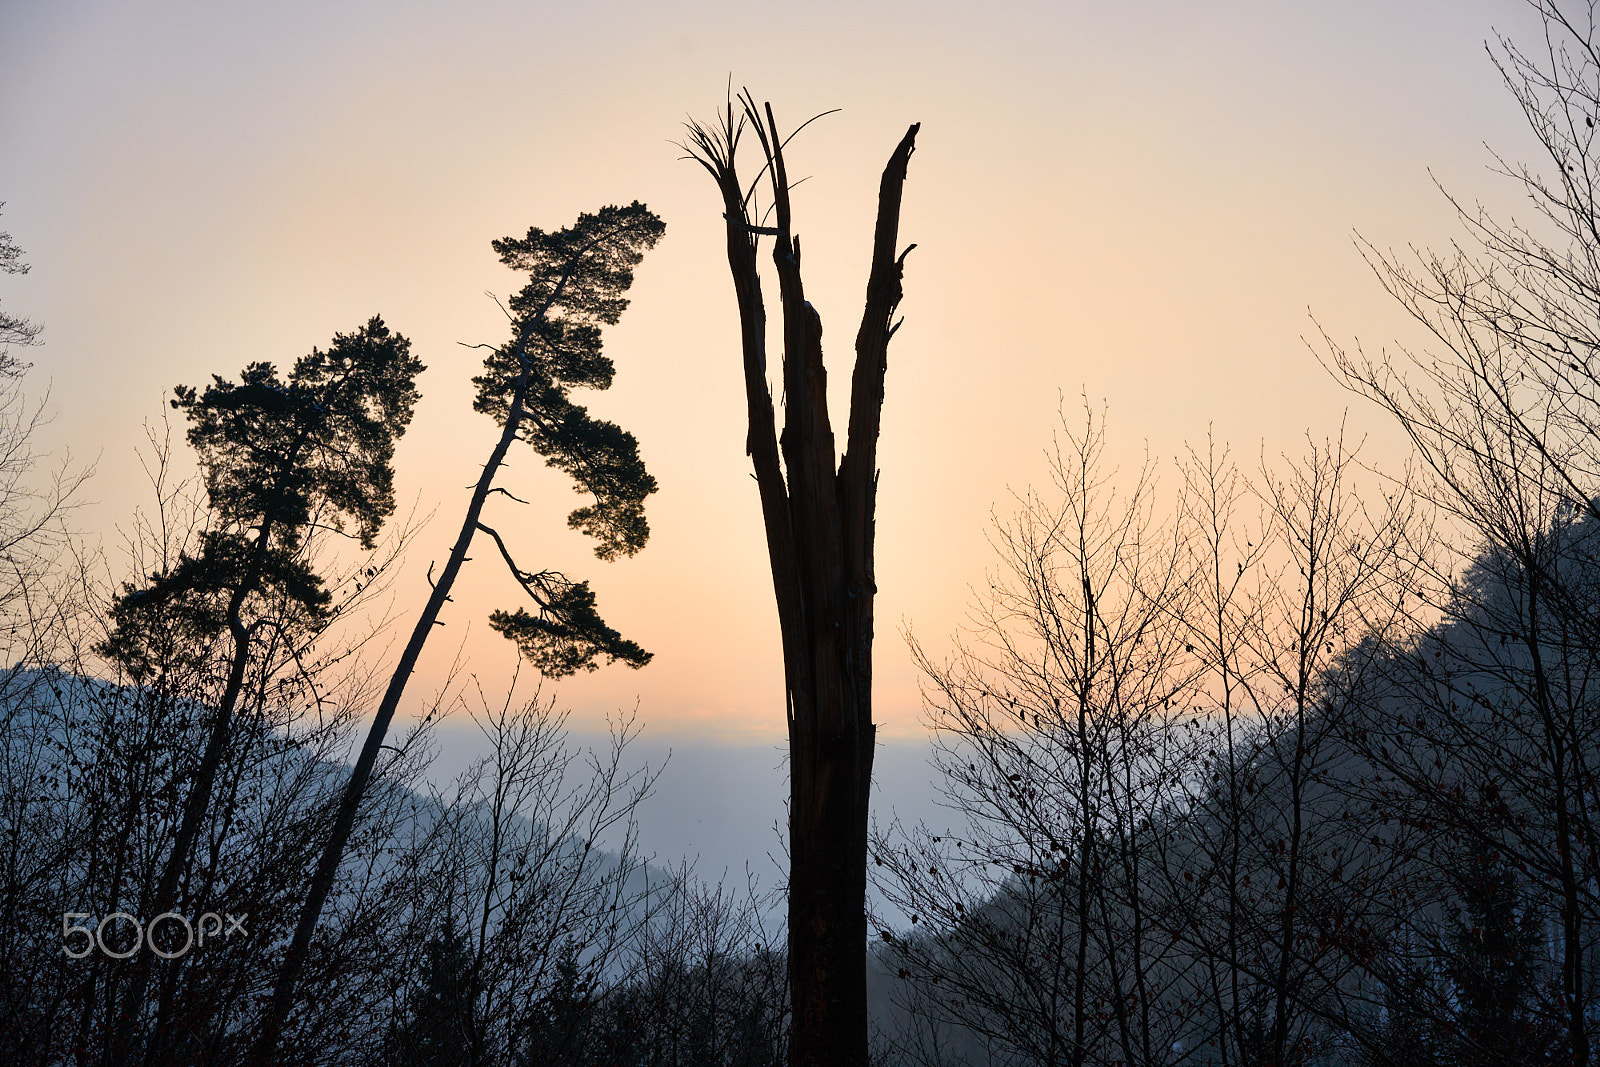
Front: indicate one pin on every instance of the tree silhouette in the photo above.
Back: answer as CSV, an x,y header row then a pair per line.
x,y
1502,415
819,526
439,1020
1493,964
577,280
279,456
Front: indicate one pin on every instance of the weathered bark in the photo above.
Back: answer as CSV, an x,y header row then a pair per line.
x,y
819,527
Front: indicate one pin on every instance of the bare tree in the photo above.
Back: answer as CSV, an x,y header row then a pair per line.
x,y
819,516
530,886
1311,647
705,982
1156,865
1501,409
37,602
1061,739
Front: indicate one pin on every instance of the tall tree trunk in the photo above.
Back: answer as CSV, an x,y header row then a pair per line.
x,y
278,1009
819,527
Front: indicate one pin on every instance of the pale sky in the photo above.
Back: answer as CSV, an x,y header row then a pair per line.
x,y
1143,201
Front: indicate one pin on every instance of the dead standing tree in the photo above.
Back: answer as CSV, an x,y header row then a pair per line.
x,y
819,525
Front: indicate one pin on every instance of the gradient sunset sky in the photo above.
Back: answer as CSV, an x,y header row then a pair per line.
x,y
1143,202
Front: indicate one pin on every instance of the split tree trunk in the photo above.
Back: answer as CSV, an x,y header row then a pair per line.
x,y
819,527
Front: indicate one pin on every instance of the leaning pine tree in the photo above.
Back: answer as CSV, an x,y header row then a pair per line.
x,y
577,278
819,525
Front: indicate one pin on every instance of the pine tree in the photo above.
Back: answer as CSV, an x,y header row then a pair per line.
x,y
279,455
557,1026
1493,966
439,1023
577,280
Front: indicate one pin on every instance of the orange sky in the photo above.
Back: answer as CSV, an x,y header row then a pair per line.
x,y
1140,201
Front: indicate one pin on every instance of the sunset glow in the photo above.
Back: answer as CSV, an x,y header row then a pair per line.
x,y
1144,203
